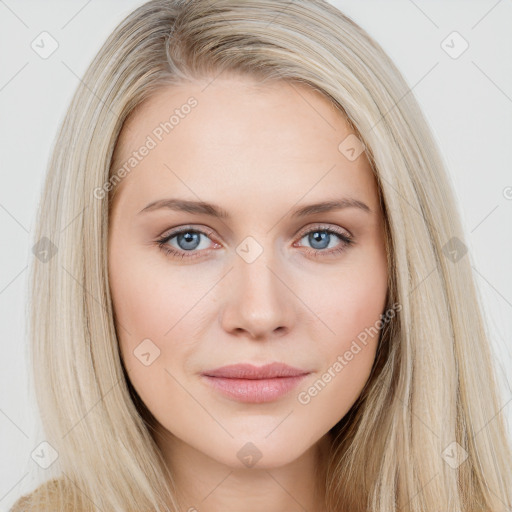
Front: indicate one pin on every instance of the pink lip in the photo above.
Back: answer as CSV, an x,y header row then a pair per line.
x,y
248,383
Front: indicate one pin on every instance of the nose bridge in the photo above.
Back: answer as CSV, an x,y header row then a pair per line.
x,y
258,300
256,277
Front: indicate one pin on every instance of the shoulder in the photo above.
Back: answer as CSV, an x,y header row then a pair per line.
x,y
41,499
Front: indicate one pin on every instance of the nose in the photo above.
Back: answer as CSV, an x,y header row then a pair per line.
x,y
258,301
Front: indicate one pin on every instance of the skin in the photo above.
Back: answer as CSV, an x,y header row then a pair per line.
x,y
258,152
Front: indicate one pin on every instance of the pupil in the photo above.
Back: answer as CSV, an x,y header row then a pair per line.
x,y
190,239
319,236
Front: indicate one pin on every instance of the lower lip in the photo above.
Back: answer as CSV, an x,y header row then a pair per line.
x,y
254,390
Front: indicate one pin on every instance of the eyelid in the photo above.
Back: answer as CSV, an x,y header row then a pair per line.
x,y
324,227
202,230
176,231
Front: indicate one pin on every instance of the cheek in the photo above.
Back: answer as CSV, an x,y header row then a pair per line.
x,y
351,299
146,307
157,317
149,301
352,308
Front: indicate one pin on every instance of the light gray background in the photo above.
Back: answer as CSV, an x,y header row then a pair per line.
x,y
467,100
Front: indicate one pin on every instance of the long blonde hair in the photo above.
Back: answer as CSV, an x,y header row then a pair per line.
x,y
433,383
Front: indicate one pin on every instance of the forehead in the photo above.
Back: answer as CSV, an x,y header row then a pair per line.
x,y
210,138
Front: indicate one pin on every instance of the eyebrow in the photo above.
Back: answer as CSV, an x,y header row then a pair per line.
x,y
204,208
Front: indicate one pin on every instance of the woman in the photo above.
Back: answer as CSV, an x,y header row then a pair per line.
x,y
263,302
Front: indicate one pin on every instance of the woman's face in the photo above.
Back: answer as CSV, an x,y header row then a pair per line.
x,y
216,258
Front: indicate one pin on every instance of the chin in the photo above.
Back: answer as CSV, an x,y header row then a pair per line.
x,y
260,453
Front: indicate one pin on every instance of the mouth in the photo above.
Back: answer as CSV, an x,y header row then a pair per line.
x,y
252,384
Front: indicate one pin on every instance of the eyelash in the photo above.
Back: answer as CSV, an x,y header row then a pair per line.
x,y
346,241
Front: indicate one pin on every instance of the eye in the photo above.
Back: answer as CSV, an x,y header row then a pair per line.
x,y
189,240
323,238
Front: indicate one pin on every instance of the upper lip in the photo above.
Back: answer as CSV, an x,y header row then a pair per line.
x,y
249,371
